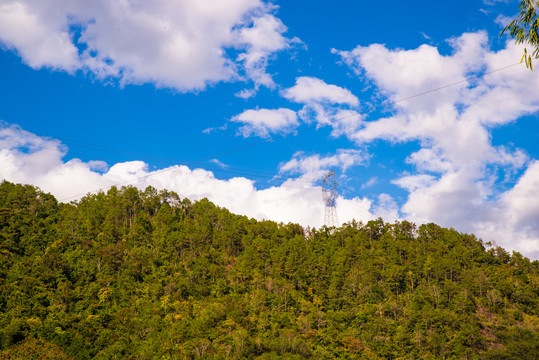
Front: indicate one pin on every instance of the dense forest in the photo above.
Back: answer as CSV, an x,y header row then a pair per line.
x,y
132,274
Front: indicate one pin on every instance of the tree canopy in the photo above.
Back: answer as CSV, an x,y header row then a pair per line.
x,y
524,29
147,275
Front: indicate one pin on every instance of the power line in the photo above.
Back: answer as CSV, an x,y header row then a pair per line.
x,y
118,151
453,84
278,137
170,161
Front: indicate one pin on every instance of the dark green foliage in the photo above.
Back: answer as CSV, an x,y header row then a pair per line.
x,y
32,349
145,275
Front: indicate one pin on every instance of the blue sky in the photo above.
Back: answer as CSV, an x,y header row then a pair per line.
x,y
250,103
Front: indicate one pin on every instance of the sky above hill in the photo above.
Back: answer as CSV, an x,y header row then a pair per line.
x,y
421,108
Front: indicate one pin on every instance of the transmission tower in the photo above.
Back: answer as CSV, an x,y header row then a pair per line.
x,y
329,194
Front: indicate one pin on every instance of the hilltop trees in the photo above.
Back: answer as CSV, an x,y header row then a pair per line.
x,y
144,274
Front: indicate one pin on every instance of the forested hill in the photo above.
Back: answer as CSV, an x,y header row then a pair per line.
x,y
146,275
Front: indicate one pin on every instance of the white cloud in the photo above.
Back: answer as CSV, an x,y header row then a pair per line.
x,y
262,122
371,182
452,183
178,44
313,167
99,166
522,201
35,39
400,74
425,36
219,163
310,89
493,2
515,215
262,39
502,20
246,93
213,129
326,104
27,158
414,182
343,121
387,208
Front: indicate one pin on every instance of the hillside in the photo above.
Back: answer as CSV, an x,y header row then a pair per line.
x,y
146,275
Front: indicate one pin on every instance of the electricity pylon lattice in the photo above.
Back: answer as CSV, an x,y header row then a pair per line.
x,y
329,194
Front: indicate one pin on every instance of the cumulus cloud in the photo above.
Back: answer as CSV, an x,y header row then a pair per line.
x,y
310,89
262,40
27,158
402,73
502,20
183,44
325,103
35,39
246,93
371,182
315,166
387,207
453,183
262,122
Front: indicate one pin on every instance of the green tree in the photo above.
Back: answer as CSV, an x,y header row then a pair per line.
x,y
146,275
524,29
